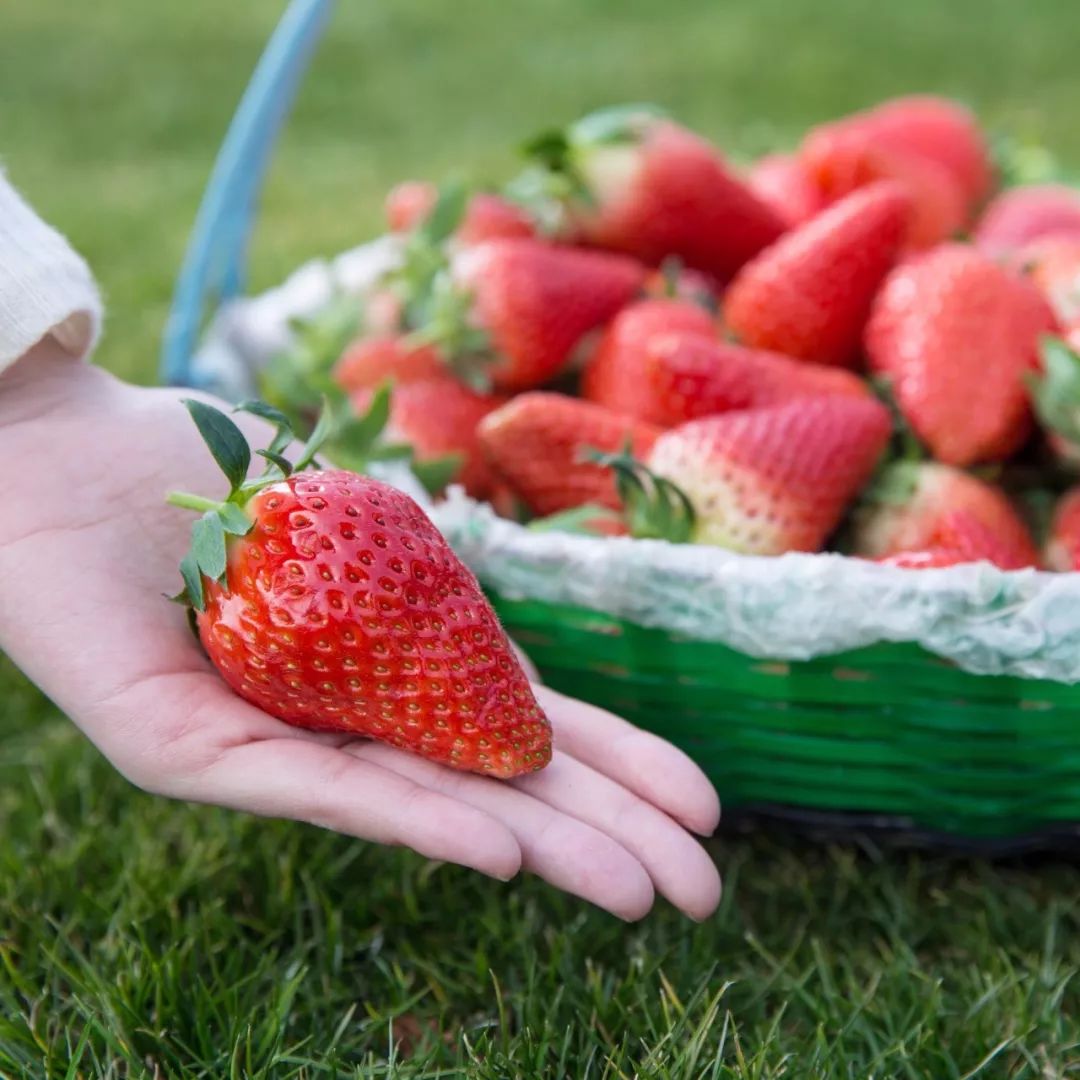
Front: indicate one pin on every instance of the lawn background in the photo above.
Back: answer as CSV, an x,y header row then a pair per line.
x,y
139,937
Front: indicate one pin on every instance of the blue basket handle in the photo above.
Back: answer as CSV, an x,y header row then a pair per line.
x,y
214,266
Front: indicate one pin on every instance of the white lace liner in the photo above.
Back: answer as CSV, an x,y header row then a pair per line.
x,y
789,608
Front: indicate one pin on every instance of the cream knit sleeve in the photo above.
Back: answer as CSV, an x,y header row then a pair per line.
x,y
45,287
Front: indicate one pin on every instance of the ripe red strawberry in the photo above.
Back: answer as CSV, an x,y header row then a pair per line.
x,y
370,361
438,417
615,374
689,376
1052,265
643,185
782,182
1063,546
809,295
913,508
960,537
536,302
536,444
845,159
1022,214
487,216
935,129
330,601
957,334
766,481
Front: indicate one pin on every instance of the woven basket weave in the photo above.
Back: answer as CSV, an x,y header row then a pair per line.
x,y
884,737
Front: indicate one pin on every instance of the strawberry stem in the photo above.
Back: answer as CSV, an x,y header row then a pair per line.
x,y
187,501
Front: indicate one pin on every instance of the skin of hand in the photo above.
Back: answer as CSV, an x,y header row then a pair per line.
x,y
88,552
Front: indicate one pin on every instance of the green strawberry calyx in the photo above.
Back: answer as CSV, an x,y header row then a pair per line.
x,y
208,557
1055,391
653,507
350,442
557,179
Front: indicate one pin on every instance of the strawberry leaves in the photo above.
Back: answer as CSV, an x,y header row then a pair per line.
x,y
654,508
1055,393
225,441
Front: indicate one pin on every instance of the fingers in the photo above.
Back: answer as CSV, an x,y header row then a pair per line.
x,y
559,847
647,765
310,781
679,866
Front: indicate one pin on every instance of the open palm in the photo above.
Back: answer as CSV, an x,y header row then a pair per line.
x,y
87,551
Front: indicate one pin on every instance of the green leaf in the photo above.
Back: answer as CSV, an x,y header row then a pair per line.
x,y
618,124
323,430
224,439
436,473
234,520
208,545
263,410
390,452
446,215
1056,392
282,463
551,148
580,520
193,586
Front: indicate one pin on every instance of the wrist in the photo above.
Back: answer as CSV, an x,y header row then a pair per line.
x,y
41,381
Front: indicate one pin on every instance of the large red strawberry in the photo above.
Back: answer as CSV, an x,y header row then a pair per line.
x,y
641,184
330,601
537,443
843,159
913,506
783,182
1022,214
615,375
766,481
536,302
486,217
809,295
957,334
438,418
689,376
1063,546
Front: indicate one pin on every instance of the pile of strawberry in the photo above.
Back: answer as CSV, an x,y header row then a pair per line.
x,y
862,346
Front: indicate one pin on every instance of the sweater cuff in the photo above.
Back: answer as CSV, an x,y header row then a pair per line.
x,y
45,287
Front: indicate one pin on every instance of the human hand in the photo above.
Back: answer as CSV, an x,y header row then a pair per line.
x,y
88,549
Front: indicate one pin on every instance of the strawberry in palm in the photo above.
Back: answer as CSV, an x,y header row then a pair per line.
x,y
330,601
912,508
809,295
633,181
766,481
957,335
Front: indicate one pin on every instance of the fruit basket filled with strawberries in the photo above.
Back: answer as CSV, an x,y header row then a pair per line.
x,y
781,461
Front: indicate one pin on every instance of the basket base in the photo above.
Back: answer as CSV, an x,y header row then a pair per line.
x,y
879,830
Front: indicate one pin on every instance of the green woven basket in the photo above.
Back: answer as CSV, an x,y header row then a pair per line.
x,y
889,736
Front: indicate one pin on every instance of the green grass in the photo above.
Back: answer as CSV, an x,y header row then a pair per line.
x,y
145,938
